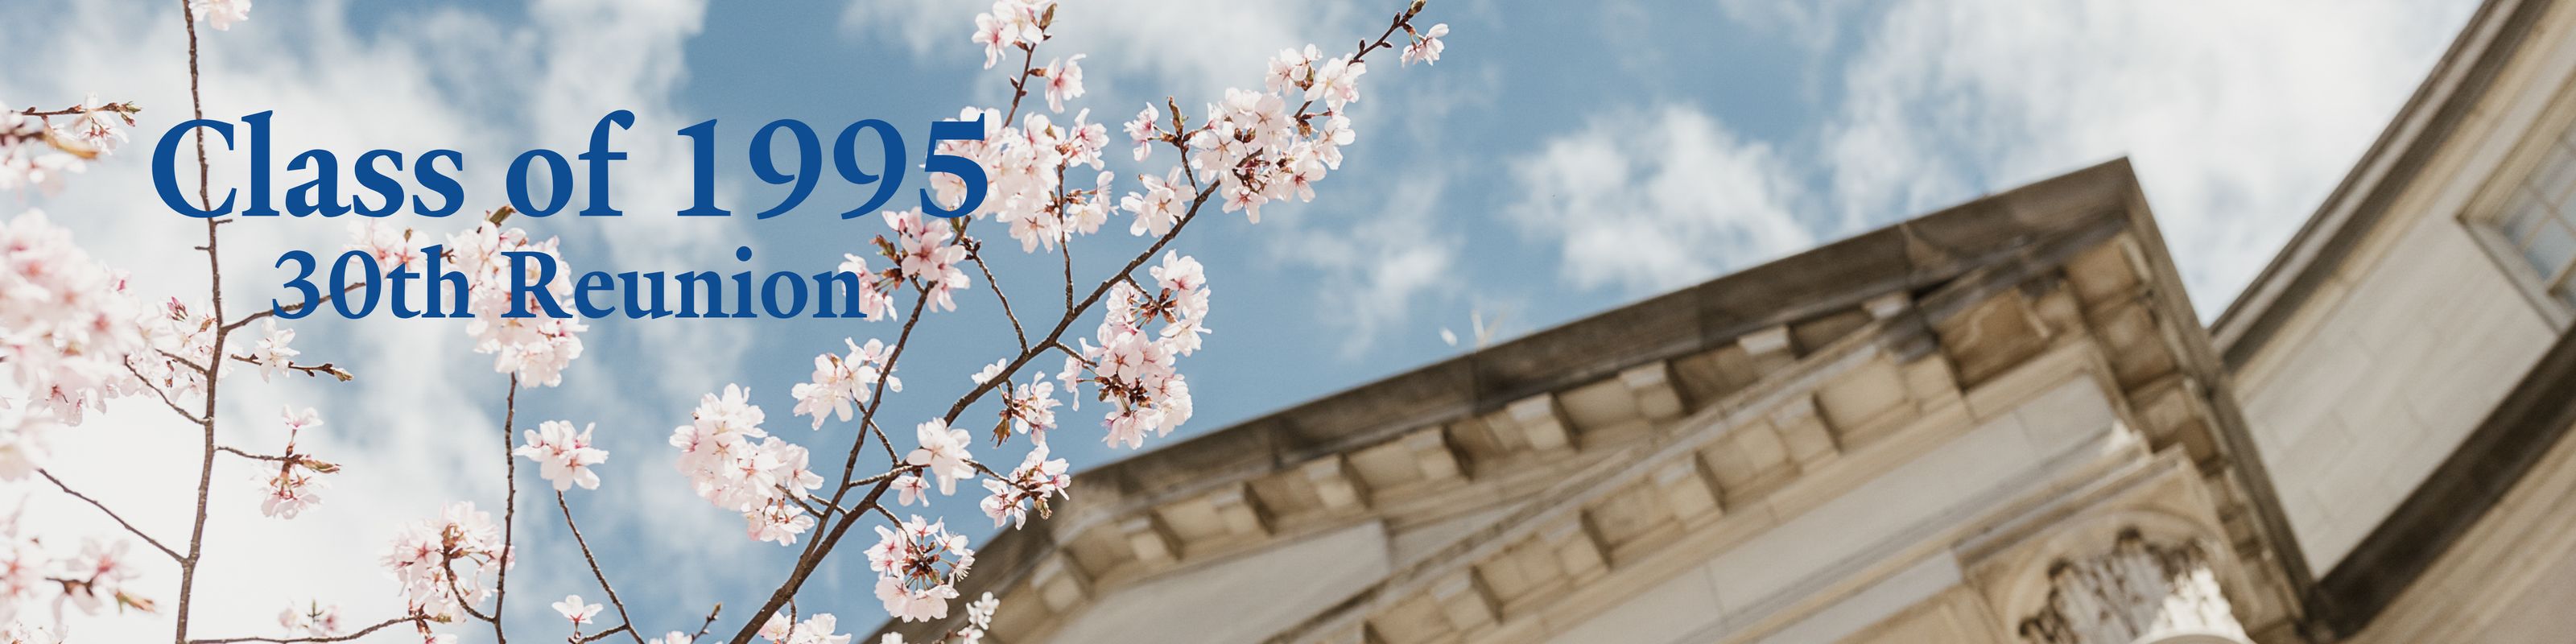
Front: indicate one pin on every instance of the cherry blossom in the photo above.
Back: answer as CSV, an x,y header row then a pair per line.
x,y
66,327
221,14
573,609
819,629
979,618
1337,82
96,579
926,255
314,619
842,381
441,563
1012,23
943,452
272,352
1426,45
1029,486
1159,207
762,480
535,348
988,372
1063,81
1145,131
99,126
910,489
1031,409
563,457
33,154
876,290
391,245
917,564
295,484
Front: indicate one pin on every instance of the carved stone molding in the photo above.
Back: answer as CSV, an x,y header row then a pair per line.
x,y
2139,591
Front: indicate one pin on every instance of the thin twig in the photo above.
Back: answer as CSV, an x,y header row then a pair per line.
x,y
318,638
710,622
102,507
256,316
628,629
595,571
975,251
165,396
309,370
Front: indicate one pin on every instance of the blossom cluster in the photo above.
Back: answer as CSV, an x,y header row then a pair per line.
x,y
563,457
535,348
90,581
843,381
925,251
1029,486
294,485
820,629
1024,169
1135,368
440,563
312,620
66,325
918,564
36,152
765,481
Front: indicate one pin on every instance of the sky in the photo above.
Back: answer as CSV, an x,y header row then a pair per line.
x,y
1560,160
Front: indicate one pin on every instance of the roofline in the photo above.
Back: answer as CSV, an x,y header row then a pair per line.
x,y
1915,255
2428,119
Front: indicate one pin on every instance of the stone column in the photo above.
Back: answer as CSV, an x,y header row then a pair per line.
x,y
2139,591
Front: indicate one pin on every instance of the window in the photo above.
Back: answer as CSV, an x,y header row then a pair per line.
x,y
2538,219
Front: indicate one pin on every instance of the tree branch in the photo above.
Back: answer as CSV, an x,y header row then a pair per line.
x,y
596,573
102,507
416,618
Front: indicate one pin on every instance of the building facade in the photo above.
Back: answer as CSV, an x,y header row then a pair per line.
x,y
2000,422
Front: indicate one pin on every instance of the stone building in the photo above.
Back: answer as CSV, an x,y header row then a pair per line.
x,y
2000,422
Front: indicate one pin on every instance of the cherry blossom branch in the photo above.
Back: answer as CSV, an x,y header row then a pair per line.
x,y
628,629
710,622
1073,312
597,574
889,475
256,457
184,362
163,395
290,308
309,370
102,508
127,107
975,251
820,549
215,293
509,506
805,567
1028,68
390,623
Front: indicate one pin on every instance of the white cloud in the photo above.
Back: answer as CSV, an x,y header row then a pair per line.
x,y
1376,270
1811,24
1189,49
2239,116
1653,199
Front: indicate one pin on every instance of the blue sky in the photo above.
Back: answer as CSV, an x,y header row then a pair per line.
x,y
1562,159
